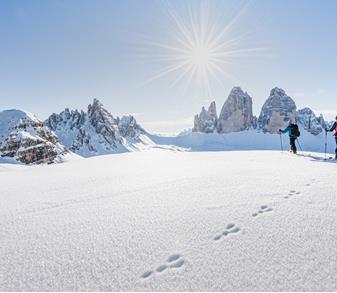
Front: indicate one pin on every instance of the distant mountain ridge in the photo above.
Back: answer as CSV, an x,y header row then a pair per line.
x,y
26,139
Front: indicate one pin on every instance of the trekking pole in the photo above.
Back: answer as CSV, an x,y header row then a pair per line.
x,y
326,144
298,142
281,142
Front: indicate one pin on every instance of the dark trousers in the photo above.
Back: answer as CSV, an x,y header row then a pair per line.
x,y
336,145
293,144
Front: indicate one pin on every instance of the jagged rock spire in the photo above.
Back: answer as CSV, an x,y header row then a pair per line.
x,y
206,121
236,113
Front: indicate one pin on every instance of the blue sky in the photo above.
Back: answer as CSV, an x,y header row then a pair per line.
x,y
57,54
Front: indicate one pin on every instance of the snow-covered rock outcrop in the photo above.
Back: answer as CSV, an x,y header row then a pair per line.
x,y
96,131
236,113
307,119
206,121
129,128
24,138
277,111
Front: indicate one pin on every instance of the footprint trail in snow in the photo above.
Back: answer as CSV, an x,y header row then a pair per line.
x,y
174,261
292,193
263,209
230,229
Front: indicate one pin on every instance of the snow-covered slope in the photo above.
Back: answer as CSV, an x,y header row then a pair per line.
x,y
25,139
246,140
242,221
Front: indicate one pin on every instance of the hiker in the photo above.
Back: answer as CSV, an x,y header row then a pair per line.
x,y
294,133
334,128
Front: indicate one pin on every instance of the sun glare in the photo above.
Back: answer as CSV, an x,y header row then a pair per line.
x,y
201,49
201,56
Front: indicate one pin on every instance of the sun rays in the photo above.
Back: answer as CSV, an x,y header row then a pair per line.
x,y
199,47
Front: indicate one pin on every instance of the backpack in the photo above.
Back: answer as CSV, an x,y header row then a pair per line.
x,y
295,132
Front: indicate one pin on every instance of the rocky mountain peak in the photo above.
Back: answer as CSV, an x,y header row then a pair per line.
x,y
129,128
103,122
277,92
236,113
96,131
206,121
212,110
309,121
277,111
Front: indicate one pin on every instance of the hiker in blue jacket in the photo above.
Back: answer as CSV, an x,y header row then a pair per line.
x,y
334,128
293,133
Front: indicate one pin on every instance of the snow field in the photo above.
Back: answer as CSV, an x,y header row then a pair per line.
x,y
159,220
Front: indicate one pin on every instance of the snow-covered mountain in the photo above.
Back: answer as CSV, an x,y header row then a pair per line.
x,y
310,122
24,138
94,132
98,132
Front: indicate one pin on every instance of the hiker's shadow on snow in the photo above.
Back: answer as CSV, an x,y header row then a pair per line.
x,y
318,159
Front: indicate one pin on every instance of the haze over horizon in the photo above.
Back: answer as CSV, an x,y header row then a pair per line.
x,y
134,56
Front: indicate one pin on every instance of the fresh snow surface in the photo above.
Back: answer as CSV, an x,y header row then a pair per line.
x,y
156,220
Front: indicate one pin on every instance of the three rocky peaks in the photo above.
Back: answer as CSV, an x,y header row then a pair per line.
x,y
237,115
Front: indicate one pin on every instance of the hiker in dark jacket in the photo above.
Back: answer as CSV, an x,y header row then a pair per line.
x,y
293,133
334,128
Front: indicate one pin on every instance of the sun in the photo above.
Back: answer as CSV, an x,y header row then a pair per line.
x,y
201,56
201,47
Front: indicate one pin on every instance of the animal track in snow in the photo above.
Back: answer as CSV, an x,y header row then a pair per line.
x,y
147,274
292,193
230,229
174,261
263,209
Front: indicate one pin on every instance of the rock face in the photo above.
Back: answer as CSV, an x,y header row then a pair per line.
x,y
308,120
322,121
206,121
25,138
94,132
129,128
277,111
103,122
236,113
